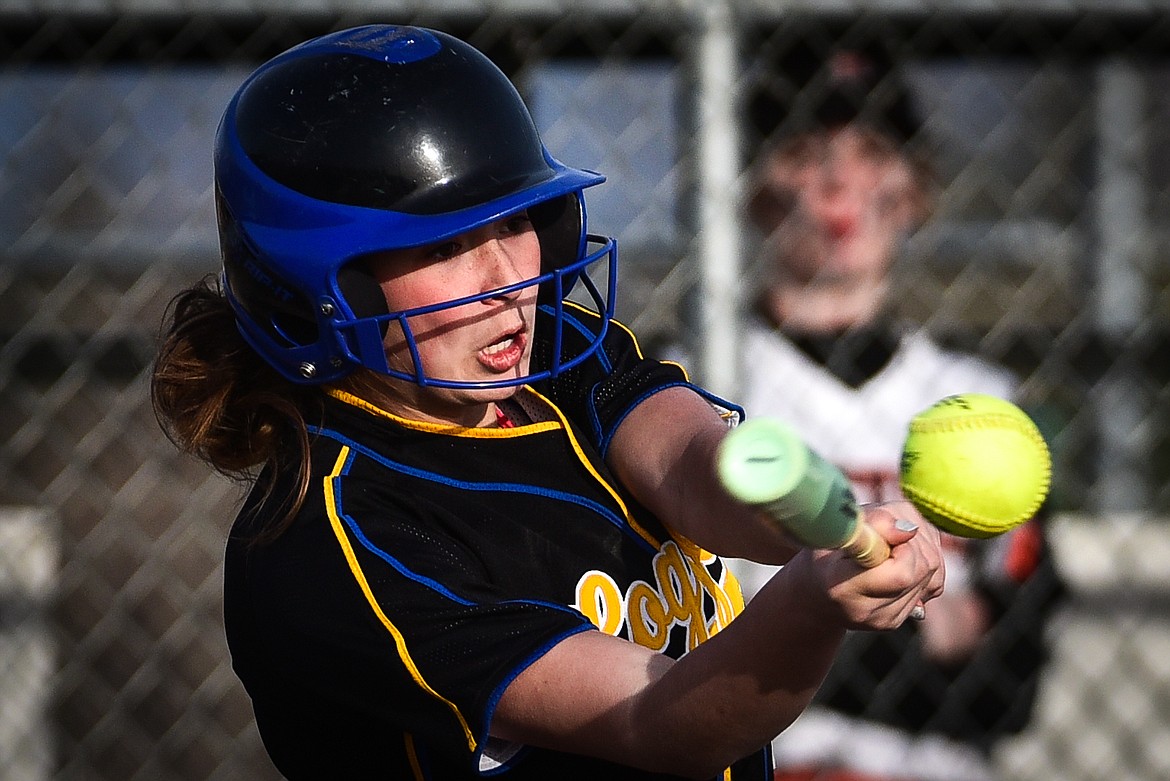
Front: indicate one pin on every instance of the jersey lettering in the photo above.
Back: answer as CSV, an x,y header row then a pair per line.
x,y
600,599
685,595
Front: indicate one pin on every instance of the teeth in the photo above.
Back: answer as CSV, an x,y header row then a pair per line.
x,y
499,346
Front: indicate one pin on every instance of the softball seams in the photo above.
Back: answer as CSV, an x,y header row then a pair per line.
x,y
984,423
981,422
965,519
987,422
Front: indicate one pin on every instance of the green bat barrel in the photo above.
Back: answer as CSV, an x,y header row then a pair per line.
x,y
763,463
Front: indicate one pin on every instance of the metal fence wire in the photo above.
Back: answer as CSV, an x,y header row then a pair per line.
x,y
1046,253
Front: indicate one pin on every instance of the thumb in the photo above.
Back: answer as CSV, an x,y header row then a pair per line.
x,y
896,522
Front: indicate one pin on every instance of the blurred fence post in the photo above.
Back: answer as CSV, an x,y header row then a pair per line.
x,y
718,240
1121,294
28,566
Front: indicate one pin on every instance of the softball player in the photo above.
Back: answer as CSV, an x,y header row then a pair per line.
x,y
836,190
473,544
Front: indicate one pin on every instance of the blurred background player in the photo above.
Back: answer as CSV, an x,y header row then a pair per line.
x,y
840,180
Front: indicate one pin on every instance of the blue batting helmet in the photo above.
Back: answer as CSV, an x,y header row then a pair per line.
x,y
372,139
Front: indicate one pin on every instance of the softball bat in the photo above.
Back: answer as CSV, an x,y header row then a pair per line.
x,y
765,464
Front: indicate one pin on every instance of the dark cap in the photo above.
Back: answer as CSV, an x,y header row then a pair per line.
x,y
808,87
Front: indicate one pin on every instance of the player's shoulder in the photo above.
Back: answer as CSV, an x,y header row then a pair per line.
x,y
956,366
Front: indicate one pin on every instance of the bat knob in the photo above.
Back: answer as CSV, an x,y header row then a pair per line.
x,y
762,461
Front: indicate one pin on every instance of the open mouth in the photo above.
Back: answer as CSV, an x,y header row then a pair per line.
x,y
505,353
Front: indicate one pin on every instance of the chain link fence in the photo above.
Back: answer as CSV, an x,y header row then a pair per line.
x,y
1047,253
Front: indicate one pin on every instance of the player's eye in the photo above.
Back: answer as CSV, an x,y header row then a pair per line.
x,y
448,249
517,223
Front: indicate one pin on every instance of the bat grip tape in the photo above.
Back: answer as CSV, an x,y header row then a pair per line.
x,y
866,546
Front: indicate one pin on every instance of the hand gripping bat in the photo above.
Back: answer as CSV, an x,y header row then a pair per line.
x,y
764,464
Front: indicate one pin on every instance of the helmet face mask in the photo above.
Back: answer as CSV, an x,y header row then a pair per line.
x,y
363,338
369,140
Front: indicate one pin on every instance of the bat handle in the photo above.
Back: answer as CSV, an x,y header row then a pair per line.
x,y
866,545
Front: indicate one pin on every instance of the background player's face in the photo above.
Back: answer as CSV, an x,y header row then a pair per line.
x,y
482,341
834,206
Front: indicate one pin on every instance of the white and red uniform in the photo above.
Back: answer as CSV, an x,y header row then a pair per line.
x,y
868,719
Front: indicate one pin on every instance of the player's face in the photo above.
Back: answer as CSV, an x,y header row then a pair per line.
x,y
485,340
837,205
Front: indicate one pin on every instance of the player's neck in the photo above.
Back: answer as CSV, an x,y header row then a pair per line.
x,y
824,309
849,337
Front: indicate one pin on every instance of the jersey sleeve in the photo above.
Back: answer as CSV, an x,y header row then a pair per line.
x,y
598,393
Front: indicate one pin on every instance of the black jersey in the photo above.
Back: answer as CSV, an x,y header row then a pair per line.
x,y
429,566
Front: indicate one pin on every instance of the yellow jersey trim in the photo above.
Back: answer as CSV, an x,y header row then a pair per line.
x,y
412,756
580,453
447,429
399,641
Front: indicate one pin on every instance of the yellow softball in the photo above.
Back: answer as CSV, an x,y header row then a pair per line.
x,y
975,465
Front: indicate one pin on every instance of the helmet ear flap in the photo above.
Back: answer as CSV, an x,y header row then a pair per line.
x,y
361,291
559,227
273,305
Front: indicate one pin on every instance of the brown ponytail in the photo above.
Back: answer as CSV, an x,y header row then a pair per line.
x,y
216,399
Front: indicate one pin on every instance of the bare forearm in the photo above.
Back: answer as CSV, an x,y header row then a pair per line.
x,y
664,452
734,693
691,717
604,696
